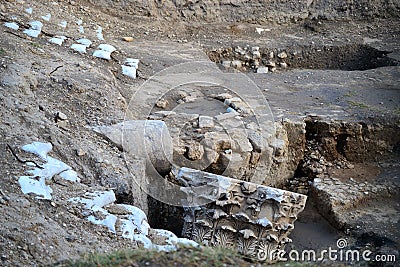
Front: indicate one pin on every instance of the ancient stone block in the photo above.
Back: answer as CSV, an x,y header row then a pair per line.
x,y
255,220
148,139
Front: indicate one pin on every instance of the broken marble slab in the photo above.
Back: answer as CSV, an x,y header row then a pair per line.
x,y
250,218
79,48
36,182
148,139
130,66
99,33
11,25
84,41
128,221
35,29
57,40
104,51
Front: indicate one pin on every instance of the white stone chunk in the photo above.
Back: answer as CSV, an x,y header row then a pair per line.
x,y
99,32
58,40
138,218
32,33
29,10
85,42
70,175
129,71
107,47
36,25
206,122
11,25
109,220
102,54
38,148
30,184
95,199
63,24
262,70
79,48
132,62
47,17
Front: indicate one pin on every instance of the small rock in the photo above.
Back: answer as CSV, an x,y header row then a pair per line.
x,y
190,98
61,116
206,122
237,64
283,65
223,96
270,63
282,55
80,152
127,38
162,103
271,55
226,63
262,70
195,151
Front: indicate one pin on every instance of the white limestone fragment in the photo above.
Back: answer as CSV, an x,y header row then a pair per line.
x,y
261,30
70,175
63,24
79,48
102,54
47,17
129,71
38,148
264,222
95,199
104,51
79,22
109,220
30,184
206,122
130,67
99,32
106,47
58,40
231,110
132,62
138,218
36,25
85,42
81,29
35,29
262,70
29,10
32,33
11,25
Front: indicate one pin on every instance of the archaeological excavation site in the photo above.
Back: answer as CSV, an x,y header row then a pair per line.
x,y
200,133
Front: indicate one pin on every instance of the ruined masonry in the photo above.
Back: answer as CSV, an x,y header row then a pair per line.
x,y
255,220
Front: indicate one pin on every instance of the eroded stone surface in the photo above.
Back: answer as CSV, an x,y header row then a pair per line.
x,y
338,198
147,139
250,218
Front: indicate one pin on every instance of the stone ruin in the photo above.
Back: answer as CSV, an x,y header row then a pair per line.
x,y
251,218
194,139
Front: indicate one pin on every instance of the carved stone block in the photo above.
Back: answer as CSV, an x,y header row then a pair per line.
x,y
253,219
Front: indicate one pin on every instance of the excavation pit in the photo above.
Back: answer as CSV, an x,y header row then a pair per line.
x,y
351,57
